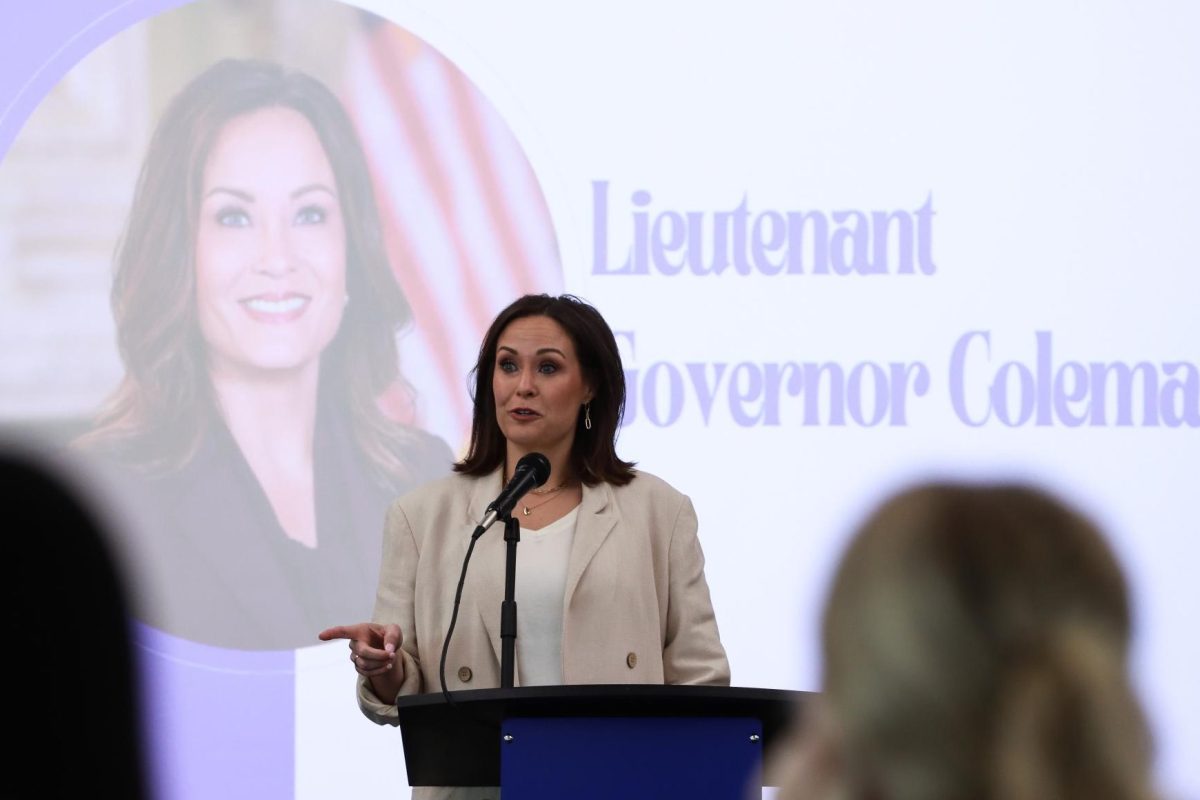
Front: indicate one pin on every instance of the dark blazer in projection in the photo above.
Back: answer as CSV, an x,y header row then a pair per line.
x,y
216,566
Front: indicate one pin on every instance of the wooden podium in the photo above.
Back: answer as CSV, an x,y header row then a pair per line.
x,y
597,741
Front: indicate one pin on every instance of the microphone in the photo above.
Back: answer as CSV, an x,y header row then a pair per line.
x,y
532,471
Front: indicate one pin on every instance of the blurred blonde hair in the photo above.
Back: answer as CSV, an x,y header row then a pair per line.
x,y
975,646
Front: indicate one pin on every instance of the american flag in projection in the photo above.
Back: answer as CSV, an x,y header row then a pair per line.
x,y
466,224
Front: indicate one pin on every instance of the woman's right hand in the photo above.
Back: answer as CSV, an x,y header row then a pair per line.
x,y
373,649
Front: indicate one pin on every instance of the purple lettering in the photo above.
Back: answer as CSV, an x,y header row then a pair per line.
x,y
774,374
1045,363
670,231
881,224
674,405
958,373
849,244
1002,390
696,239
766,243
1180,402
600,233
924,216
901,373
1123,391
641,235
738,220
1070,386
812,393
742,393
705,392
818,235
879,403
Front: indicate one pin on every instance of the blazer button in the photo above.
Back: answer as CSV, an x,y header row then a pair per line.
x,y
464,674
631,660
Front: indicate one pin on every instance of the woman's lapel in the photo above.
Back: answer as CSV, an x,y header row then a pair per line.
x,y
598,516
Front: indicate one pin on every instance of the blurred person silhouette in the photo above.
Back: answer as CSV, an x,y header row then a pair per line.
x,y
64,576
257,314
975,645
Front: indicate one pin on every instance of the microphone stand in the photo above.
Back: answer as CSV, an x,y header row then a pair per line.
x,y
508,610
532,470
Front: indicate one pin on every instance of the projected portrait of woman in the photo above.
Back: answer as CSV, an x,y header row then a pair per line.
x,y
257,315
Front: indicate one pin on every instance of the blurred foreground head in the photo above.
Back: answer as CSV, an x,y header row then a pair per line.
x,y
975,646
73,716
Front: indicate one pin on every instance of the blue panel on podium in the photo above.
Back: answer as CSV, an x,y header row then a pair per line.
x,y
647,757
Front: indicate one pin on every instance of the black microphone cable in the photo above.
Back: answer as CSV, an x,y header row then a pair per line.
x,y
462,578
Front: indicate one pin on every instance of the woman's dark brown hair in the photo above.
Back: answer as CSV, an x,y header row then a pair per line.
x,y
156,417
976,646
593,453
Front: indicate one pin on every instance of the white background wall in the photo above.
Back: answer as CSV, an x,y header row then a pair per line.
x,y
1057,144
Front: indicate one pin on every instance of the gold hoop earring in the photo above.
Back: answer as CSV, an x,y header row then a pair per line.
x,y
587,416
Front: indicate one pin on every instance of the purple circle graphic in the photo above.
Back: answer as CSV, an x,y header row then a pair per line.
x,y
200,313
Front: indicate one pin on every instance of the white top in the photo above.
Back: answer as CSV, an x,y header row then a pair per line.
x,y
541,585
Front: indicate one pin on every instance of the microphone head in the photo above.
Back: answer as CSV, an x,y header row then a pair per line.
x,y
537,464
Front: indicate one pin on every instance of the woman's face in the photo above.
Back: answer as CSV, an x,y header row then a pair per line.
x,y
539,386
270,246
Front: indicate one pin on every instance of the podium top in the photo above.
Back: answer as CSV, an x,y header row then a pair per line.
x,y
458,744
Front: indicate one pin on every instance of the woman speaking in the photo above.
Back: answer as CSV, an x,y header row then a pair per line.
x,y
610,576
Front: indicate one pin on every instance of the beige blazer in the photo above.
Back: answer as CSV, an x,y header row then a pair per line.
x,y
636,607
